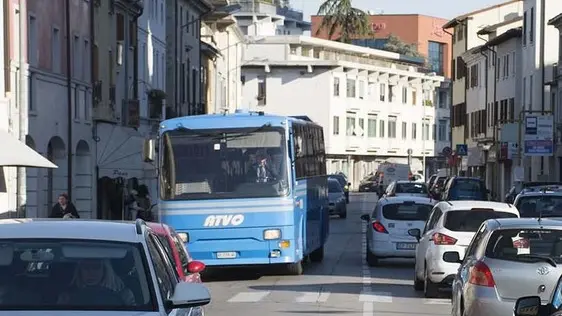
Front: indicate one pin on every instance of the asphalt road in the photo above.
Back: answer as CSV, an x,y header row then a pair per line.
x,y
342,284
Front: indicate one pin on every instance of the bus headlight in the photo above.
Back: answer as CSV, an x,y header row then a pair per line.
x,y
184,237
270,234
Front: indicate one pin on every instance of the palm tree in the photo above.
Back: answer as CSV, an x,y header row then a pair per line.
x,y
340,15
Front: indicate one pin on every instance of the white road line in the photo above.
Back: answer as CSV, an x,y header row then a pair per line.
x,y
248,297
323,298
437,301
368,305
308,297
368,309
378,297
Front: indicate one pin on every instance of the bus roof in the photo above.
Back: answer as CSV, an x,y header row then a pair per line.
x,y
234,120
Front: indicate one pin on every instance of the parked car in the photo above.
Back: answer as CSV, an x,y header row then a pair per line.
x,y
518,186
369,184
387,227
406,188
507,259
340,177
437,187
540,201
57,267
450,227
336,199
464,188
188,270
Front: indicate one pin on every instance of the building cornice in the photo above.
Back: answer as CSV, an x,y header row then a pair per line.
x,y
556,21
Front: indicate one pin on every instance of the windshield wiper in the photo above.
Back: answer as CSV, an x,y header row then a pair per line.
x,y
546,259
220,134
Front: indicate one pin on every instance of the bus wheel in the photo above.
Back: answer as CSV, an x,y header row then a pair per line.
x,y
295,268
317,255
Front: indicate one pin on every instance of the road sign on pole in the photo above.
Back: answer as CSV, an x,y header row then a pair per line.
x,y
462,150
538,138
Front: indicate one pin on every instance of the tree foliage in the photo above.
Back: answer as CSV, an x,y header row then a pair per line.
x,y
395,45
340,16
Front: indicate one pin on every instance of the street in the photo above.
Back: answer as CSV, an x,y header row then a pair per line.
x,y
341,284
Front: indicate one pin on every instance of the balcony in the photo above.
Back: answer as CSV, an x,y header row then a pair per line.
x,y
257,6
290,13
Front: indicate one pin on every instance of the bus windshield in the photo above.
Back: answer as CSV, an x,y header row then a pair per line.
x,y
224,164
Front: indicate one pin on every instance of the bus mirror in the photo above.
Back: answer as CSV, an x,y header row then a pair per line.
x,y
148,150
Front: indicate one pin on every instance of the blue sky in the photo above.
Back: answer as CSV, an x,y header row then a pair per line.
x,y
439,8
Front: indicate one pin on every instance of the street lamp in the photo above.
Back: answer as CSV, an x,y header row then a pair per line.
x,y
223,11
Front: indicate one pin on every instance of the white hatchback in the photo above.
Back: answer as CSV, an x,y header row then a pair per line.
x,y
450,227
388,225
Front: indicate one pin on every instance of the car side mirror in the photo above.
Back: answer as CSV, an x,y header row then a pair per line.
x,y
527,306
452,257
365,217
195,267
188,295
148,150
415,232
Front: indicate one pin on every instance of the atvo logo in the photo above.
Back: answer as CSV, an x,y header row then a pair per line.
x,y
223,220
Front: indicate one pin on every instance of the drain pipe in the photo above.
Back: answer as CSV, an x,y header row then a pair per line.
x,y
542,65
69,69
22,113
451,112
136,51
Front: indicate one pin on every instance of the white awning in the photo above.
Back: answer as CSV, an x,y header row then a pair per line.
x,y
17,154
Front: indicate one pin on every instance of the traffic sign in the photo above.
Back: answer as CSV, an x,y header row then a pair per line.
x,y
462,150
447,151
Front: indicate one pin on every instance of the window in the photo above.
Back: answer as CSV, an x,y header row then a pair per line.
x,y
505,66
361,89
164,276
336,87
56,51
435,56
382,92
470,221
194,79
414,131
442,130
425,130
433,131
513,64
372,126
86,70
474,76
392,126
120,29
404,130
531,101
361,123
524,99
350,126
76,54
460,32
442,99
350,88
381,128
512,109
311,161
532,26
498,69
414,97
336,125
32,41
408,212
524,39
262,90
391,93
181,252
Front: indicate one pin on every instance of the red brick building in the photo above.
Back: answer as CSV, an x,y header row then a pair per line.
x,y
424,31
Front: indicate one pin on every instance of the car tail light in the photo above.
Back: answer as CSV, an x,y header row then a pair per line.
x,y
379,227
521,243
480,274
442,239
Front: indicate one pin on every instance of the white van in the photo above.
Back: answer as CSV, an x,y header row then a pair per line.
x,y
389,172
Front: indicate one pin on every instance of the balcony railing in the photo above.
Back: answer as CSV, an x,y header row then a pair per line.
x,y
256,6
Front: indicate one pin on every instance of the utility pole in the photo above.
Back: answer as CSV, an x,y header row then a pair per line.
x,y
22,105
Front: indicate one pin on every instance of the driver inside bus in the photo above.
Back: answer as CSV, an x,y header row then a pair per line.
x,y
261,168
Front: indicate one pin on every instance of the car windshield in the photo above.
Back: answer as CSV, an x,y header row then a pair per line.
x,y
334,187
470,220
406,211
340,179
222,164
526,245
540,205
63,274
413,188
467,189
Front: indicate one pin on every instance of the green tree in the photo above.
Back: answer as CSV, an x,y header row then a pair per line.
x,y
340,15
395,45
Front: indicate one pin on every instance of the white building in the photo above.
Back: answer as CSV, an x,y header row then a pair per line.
x,y
557,89
372,104
494,101
259,18
540,53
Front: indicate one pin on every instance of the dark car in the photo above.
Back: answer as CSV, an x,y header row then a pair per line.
x,y
437,187
465,188
369,184
344,184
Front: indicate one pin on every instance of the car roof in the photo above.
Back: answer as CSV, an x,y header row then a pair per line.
x,y
406,198
409,181
452,206
527,223
69,229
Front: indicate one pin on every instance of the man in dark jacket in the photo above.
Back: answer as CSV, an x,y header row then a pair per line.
x,y
64,207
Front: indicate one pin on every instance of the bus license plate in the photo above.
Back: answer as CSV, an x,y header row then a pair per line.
x,y
226,255
405,246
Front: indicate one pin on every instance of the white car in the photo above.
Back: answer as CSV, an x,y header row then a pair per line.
x,y
388,225
85,267
450,227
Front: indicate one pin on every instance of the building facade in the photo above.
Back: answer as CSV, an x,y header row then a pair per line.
x,y
373,105
464,30
116,106
222,44
183,56
260,18
556,84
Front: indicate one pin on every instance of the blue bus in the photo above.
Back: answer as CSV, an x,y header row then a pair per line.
x,y
245,188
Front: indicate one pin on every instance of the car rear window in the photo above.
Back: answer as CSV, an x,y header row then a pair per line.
x,y
468,189
334,187
413,188
470,220
548,205
406,211
526,245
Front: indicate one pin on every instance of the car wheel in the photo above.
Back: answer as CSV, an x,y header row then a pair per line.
x,y
430,289
418,284
295,268
371,259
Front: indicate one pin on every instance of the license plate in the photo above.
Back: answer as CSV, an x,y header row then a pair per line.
x,y
405,246
226,255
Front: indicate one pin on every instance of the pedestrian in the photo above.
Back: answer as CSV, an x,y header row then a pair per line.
x,y
64,208
144,202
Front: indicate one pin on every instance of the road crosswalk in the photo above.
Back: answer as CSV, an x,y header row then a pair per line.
x,y
322,297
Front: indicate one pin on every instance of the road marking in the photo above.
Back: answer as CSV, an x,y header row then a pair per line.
x,y
308,297
323,298
248,297
368,309
437,301
368,304
378,297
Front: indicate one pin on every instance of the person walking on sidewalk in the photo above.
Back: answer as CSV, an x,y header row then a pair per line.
x,y
64,208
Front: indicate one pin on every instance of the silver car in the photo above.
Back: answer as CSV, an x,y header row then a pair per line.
x,y
406,188
507,259
337,201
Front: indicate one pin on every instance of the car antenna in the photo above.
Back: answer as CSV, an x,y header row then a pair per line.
x,y
451,204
